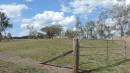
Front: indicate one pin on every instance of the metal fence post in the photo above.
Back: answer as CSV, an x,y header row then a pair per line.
x,y
76,47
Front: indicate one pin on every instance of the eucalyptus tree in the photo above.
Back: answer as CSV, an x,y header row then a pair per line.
x,y
121,14
128,32
101,25
89,28
4,23
9,36
70,33
30,28
79,29
52,31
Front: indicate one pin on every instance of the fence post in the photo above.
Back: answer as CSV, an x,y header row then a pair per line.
x,y
76,47
107,47
125,48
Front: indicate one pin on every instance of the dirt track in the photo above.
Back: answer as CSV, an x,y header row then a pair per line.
x,y
29,62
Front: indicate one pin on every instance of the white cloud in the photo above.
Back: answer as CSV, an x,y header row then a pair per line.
x,y
28,0
78,7
68,20
87,6
13,10
127,2
110,22
48,18
65,8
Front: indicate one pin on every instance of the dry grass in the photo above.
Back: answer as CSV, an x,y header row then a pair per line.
x,y
7,67
94,58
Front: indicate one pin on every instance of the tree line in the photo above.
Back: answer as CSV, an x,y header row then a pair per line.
x,y
102,28
110,22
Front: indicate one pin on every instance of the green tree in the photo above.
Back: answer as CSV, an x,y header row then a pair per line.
x,y
128,32
90,28
52,31
4,23
40,35
70,33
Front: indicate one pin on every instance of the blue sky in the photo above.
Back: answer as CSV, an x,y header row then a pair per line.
x,y
34,7
41,13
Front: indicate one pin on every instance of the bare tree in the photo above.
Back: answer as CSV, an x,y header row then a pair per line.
x,y
79,28
101,25
120,13
89,29
32,31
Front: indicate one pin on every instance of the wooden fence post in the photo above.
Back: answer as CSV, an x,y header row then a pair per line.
x,y
76,47
125,49
107,59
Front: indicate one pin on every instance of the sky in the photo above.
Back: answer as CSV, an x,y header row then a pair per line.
x,y
42,13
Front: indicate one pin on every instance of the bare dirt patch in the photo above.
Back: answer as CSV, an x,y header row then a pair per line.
x,y
29,62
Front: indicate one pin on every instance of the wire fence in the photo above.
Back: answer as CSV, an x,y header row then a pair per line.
x,y
92,55
100,54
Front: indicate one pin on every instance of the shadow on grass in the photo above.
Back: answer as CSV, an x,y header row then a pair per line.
x,y
96,69
105,67
57,57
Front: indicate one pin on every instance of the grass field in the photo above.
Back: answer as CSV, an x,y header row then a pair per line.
x,y
92,58
7,67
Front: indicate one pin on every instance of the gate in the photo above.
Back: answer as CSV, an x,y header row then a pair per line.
x,y
96,55
108,53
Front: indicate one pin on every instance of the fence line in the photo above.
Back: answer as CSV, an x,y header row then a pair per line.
x,y
57,57
76,54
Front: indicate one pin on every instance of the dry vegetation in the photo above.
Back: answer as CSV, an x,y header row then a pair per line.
x,y
94,59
